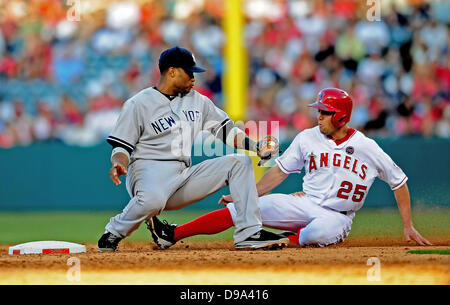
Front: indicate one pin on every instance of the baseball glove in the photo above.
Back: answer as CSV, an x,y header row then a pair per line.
x,y
266,148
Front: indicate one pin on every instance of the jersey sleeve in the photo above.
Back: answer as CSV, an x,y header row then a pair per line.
x,y
215,120
291,161
126,131
388,171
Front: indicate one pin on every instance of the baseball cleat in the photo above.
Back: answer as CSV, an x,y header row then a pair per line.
x,y
287,233
263,240
162,232
108,242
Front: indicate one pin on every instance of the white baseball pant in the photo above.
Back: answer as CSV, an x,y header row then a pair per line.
x,y
155,186
321,226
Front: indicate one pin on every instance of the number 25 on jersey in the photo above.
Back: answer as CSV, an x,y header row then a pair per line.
x,y
346,189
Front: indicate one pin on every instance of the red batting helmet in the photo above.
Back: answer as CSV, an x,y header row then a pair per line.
x,y
337,101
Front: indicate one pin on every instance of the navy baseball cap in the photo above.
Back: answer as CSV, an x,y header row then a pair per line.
x,y
179,58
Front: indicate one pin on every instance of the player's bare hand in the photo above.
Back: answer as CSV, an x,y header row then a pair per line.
x,y
116,171
411,234
226,199
299,194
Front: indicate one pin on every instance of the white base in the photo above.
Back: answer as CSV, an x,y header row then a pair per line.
x,y
46,247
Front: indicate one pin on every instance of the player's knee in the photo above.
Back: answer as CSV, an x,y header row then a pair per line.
x,y
242,159
312,238
323,233
151,203
266,203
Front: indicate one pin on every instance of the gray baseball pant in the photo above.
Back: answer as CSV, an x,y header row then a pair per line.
x,y
170,185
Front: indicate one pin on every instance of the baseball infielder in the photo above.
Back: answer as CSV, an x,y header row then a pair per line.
x,y
152,142
340,165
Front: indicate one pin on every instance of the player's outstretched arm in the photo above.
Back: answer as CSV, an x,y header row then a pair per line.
x,y
271,179
404,205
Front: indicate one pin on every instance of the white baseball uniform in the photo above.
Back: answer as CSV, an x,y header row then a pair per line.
x,y
338,176
159,132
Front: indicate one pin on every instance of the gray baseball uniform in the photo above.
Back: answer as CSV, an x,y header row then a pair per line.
x,y
159,133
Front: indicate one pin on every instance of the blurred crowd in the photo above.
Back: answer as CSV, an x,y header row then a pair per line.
x,y
66,69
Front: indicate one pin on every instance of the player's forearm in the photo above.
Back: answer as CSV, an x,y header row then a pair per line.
x,y
271,179
404,205
241,141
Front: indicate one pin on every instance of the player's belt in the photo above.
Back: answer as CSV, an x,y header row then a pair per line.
x,y
342,212
346,213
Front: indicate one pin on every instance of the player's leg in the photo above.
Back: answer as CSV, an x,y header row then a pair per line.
x,y
150,184
211,175
166,235
211,223
328,228
284,212
236,171
278,211
313,224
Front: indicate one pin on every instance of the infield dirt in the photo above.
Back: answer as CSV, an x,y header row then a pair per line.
x,y
356,261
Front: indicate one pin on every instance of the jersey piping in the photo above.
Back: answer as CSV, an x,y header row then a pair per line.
x,y
350,133
115,142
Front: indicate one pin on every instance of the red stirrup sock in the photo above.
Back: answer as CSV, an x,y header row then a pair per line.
x,y
211,223
295,238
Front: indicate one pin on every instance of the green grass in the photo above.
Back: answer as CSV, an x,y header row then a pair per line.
x,y
388,222
86,227
82,227
431,251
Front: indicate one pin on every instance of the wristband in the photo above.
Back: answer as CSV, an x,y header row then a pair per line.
x,y
120,150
